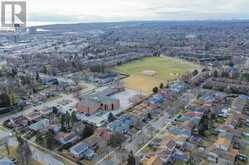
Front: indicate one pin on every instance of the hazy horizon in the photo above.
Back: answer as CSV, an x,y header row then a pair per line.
x,y
44,23
77,11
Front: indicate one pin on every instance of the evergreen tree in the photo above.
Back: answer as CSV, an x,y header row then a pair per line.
x,y
161,86
195,72
73,118
149,116
215,73
111,117
67,119
55,110
12,98
131,159
49,139
155,90
23,151
37,76
63,122
4,100
116,140
88,131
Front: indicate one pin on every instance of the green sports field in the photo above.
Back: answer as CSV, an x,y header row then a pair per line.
x,y
148,72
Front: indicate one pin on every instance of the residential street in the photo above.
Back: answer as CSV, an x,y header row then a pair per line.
x,y
38,154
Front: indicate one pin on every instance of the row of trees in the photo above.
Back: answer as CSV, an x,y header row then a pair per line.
x,y
235,75
68,121
156,89
7,99
100,68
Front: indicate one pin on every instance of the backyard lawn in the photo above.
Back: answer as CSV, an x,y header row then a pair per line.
x,y
146,73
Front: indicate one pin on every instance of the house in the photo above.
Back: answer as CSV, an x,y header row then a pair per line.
x,y
227,158
50,81
33,116
234,120
179,140
42,124
179,155
191,117
165,156
16,122
194,114
187,125
180,132
104,134
167,94
217,156
46,111
235,132
224,112
189,147
178,87
123,124
152,160
94,103
169,147
67,138
95,142
224,141
212,158
154,101
81,150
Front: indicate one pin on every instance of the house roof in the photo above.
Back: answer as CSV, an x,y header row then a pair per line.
x,y
33,115
46,111
187,125
92,140
227,155
180,132
19,121
104,133
235,132
193,114
222,141
170,144
122,124
65,138
79,148
44,123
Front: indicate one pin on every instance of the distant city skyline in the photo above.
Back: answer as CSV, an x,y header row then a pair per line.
x,y
74,11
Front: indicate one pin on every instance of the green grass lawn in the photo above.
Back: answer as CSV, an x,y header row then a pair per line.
x,y
165,69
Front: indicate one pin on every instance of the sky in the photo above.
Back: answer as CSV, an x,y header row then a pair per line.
x,y
70,11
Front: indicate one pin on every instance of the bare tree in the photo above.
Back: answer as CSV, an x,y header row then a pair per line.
x,y
23,151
